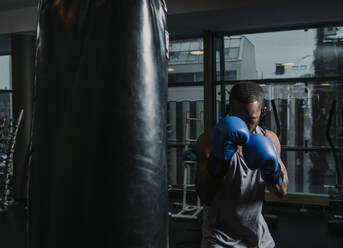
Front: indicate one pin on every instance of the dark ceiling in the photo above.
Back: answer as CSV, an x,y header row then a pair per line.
x,y
16,4
250,16
193,17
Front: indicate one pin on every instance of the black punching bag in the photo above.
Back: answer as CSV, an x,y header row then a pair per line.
x,y
98,147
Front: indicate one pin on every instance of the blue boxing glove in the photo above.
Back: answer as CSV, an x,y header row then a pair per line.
x,y
228,133
260,153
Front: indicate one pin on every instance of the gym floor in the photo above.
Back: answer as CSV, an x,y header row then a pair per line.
x,y
290,227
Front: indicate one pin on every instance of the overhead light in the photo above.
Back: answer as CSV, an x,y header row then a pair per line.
x,y
171,69
325,84
286,64
198,52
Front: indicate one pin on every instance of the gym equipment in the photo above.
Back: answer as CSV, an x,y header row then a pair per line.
x,y
188,211
8,135
98,175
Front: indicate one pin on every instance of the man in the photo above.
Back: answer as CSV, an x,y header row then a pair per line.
x,y
236,160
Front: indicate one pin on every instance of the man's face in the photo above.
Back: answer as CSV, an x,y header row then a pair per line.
x,y
249,112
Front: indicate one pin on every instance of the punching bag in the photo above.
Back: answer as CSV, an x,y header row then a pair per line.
x,y
98,142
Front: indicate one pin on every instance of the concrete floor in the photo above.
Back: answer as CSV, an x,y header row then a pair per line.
x,y
290,228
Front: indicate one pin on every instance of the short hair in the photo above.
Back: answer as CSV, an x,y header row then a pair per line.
x,y
247,92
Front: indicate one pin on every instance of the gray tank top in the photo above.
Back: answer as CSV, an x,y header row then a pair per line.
x,y
234,218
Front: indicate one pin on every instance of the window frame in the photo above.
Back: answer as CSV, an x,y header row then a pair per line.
x,y
9,91
302,198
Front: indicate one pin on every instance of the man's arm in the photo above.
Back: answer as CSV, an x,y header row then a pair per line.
x,y
207,186
279,190
214,150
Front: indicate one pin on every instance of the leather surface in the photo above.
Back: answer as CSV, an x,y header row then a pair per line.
x,y
98,150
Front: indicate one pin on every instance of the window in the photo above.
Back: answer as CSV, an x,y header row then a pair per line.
x,y
185,105
230,75
289,54
182,77
303,111
5,72
239,56
232,41
231,53
186,61
186,52
298,110
280,69
5,116
5,77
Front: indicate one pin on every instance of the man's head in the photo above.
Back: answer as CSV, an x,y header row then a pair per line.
x,y
246,100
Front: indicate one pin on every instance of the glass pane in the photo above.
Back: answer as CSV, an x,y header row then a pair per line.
x,y
235,42
231,75
5,44
195,45
186,61
6,105
303,113
221,108
239,57
185,46
310,172
174,57
231,53
175,47
183,57
184,77
185,107
314,52
278,52
226,42
185,124
5,72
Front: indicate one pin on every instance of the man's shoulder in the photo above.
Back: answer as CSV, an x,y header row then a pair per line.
x,y
204,142
270,134
273,138
206,136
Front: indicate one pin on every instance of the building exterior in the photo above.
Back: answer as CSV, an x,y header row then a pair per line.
x,y
187,64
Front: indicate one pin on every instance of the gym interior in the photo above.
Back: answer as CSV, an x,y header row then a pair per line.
x,y
102,103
